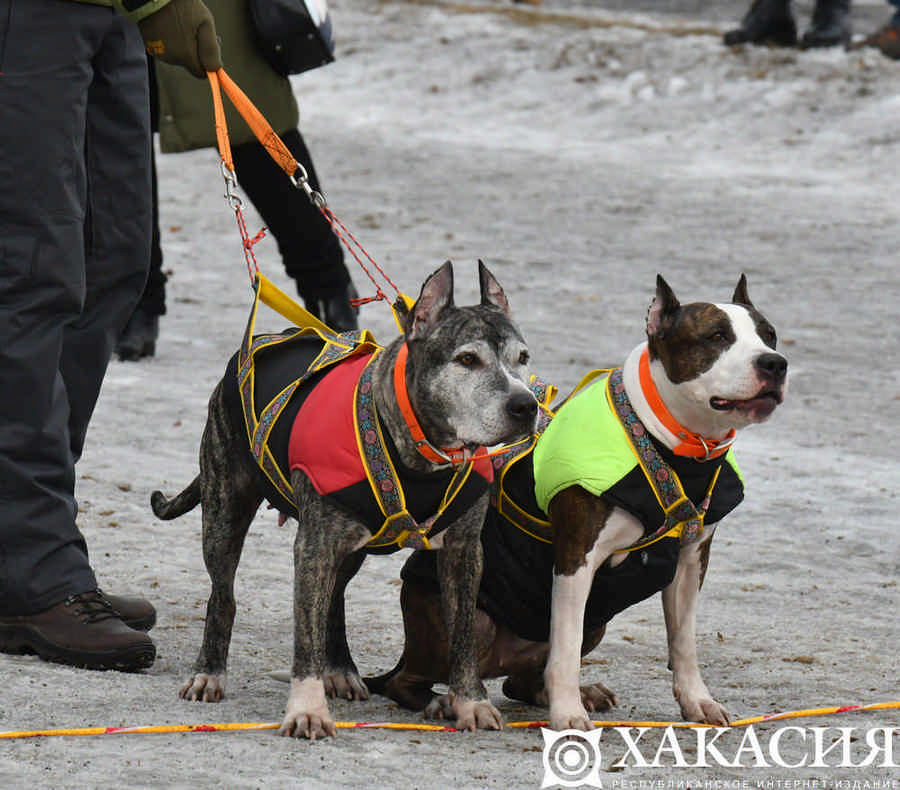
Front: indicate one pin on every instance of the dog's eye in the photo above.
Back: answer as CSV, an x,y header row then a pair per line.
x,y
467,359
719,336
768,336
524,356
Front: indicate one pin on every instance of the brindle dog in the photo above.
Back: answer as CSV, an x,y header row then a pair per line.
x,y
466,374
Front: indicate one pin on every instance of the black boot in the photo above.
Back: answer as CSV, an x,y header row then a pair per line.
x,y
766,22
138,339
336,309
830,25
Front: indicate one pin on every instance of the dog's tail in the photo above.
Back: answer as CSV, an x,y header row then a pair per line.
x,y
178,505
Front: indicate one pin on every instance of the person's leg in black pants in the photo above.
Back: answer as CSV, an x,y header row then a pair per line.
x,y
311,253
74,246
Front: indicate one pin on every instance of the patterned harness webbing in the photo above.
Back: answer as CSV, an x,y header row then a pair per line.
x,y
682,519
399,526
337,347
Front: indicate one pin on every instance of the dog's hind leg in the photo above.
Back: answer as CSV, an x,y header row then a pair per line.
x,y
459,565
230,498
424,660
341,677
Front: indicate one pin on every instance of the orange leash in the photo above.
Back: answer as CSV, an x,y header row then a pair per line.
x,y
260,127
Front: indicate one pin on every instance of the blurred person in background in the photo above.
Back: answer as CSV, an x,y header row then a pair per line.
x,y
772,22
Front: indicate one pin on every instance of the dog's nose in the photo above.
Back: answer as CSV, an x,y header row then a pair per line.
x,y
773,365
522,407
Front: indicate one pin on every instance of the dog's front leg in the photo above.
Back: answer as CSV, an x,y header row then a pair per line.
x,y
459,570
585,533
325,538
680,608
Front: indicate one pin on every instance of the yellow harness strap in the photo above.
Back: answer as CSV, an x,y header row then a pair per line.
x,y
676,531
259,423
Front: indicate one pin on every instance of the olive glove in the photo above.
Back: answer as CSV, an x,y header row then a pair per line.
x,y
183,32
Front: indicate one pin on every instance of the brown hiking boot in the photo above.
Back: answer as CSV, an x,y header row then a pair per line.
x,y
136,613
82,631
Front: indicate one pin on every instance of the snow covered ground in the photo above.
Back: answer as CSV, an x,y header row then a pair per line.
x,y
579,155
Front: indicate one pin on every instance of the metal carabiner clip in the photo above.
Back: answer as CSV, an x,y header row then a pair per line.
x,y
300,180
231,196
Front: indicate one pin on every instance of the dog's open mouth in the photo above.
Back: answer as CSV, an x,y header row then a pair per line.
x,y
761,404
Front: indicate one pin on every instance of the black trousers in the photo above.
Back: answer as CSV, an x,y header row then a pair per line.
x,y
74,253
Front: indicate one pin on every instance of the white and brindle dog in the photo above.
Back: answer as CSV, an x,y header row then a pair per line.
x,y
601,535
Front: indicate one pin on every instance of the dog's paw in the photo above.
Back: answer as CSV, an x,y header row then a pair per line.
x,y
307,725
704,711
204,688
470,715
306,714
345,685
570,719
596,697
696,702
481,715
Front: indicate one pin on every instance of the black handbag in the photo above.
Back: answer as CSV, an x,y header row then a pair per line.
x,y
293,35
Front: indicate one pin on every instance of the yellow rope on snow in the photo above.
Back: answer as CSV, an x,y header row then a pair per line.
x,y
422,727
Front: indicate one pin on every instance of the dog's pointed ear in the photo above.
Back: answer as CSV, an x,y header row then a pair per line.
x,y
491,292
740,293
662,308
435,297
